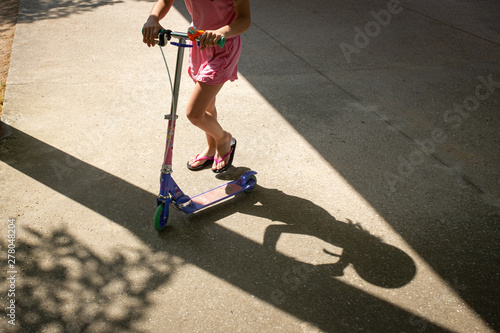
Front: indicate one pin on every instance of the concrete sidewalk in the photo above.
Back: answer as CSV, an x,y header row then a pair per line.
x,y
373,127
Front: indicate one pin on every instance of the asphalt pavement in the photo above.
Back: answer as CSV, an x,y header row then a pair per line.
x,y
373,127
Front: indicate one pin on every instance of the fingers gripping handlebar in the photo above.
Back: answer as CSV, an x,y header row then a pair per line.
x,y
193,34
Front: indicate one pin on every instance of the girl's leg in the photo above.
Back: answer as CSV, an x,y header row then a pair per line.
x,y
211,144
198,112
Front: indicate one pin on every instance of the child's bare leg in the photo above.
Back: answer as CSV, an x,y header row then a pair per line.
x,y
210,150
201,100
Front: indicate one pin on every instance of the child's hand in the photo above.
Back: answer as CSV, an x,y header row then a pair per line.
x,y
210,38
150,30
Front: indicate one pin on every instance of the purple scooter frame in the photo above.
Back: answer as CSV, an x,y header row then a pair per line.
x,y
170,192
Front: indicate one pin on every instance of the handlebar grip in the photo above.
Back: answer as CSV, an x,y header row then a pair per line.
x,y
222,42
194,35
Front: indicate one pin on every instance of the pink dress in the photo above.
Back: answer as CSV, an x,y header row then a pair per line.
x,y
213,65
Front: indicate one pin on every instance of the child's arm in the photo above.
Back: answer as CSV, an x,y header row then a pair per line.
x,y
152,26
240,24
242,21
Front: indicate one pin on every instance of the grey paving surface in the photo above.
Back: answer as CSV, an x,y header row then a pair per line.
x,y
373,127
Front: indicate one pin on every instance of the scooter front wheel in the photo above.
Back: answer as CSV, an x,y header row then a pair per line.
x,y
160,219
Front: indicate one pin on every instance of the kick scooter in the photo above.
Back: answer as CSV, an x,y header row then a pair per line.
x,y
170,192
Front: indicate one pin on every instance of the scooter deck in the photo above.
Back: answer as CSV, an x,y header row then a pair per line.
x,y
216,194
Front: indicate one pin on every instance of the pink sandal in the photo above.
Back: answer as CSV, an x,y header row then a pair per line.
x,y
230,154
206,164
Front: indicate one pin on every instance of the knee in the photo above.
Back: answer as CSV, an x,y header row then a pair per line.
x,y
194,117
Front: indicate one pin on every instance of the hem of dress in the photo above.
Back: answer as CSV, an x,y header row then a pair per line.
x,y
211,81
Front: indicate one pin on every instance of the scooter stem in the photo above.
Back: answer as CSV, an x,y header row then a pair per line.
x,y
167,164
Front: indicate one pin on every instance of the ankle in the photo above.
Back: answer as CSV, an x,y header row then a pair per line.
x,y
226,136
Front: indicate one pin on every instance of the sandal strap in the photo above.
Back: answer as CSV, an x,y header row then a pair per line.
x,y
196,158
217,161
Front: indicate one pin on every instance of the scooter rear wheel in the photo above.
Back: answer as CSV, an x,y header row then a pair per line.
x,y
251,179
160,219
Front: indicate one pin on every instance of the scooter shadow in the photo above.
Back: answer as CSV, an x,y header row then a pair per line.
x,y
375,261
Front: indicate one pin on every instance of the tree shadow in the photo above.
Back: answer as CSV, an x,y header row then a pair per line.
x,y
306,291
63,286
37,10
8,14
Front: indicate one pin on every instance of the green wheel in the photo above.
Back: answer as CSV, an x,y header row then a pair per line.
x,y
160,219
251,180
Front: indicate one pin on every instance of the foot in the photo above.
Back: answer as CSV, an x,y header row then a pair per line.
x,y
202,160
224,154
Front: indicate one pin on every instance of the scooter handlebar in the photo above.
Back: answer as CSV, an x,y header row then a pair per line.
x,y
166,35
195,34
